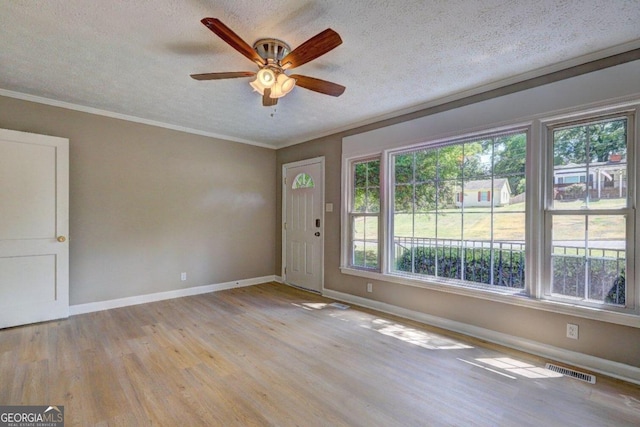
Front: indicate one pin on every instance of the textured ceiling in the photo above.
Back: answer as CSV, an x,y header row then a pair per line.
x,y
134,58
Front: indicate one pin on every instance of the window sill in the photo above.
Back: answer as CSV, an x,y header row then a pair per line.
x,y
507,296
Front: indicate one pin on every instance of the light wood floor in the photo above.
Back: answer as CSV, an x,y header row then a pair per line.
x,y
274,355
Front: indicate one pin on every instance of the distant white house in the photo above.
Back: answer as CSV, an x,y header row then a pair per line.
x,y
480,193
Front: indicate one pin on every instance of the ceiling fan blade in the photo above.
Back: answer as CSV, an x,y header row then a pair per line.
x,y
232,39
218,76
317,85
267,101
316,46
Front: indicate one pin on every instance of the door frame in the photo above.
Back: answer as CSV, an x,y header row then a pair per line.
x,y
285,192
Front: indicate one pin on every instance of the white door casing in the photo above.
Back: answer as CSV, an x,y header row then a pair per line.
x,y
34,228
303,224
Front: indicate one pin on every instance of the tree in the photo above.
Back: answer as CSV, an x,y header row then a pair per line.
x,y
604,138
429,177
367,186
509,160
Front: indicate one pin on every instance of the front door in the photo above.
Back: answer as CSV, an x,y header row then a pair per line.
x,y
303,223
34,222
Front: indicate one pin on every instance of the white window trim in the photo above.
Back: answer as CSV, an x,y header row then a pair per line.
x,y
346,214
535,227
388,191
630,212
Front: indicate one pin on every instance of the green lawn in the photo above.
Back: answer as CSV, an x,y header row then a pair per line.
x,y
476,224
509,223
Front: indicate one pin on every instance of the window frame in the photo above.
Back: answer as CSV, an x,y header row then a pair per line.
x,y
550,211
351,215
388,209
536,184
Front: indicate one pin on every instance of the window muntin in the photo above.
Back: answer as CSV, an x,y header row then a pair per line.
x,y
590,219
364,216
453,216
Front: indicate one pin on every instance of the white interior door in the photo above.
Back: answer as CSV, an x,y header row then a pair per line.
x,y
34,223
303,242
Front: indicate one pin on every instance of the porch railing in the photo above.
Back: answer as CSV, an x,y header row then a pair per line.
x,y
595,274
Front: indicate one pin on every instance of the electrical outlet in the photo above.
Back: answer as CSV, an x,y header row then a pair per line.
x,y
183,276
369,287
572,331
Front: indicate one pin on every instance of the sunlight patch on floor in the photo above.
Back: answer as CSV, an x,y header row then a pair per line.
x,y
631,402
311,305
517,367
487,369
321,305
417,337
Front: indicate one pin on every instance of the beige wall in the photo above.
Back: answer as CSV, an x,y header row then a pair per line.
x,y
147,203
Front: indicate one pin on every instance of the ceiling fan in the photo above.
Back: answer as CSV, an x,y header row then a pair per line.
x,y
273,57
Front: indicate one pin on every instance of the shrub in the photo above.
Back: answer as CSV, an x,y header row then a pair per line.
x,y
574,191
607,281
370,256
616,294
508,266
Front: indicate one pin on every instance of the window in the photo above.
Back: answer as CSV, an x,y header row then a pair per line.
x,y
445,225
364,216
302,180
590,223
544,211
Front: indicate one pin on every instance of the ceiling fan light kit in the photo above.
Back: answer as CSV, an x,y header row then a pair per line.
x,y
284,84
264,79
273,77
273,57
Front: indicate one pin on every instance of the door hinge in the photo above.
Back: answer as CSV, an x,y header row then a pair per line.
x,y
285,271
285,225
285,180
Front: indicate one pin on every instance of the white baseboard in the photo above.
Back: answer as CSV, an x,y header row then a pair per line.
x,y
603,366
141,299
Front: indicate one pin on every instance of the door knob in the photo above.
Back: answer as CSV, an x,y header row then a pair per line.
x,y
61,239
317,233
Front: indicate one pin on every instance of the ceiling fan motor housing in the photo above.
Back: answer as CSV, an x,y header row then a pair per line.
x,y
271,50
